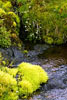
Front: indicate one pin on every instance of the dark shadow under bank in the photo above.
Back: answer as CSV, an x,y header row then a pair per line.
x,y
35,53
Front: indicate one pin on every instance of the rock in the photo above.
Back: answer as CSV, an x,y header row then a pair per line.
x,y
12,54
56,89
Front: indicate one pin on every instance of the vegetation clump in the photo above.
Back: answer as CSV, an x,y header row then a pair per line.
x,y
33,21
29,79
44,18
8,87
9,25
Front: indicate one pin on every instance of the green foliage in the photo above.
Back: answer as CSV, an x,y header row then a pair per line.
x,y
48,40
30,78
9,24
41,18
2,12
7,6
4,37
44,17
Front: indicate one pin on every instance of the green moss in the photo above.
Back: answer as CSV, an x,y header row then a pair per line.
x,y
43,17
25,88
7,6
29,79
4,37
10,71
2,12
32,76
59,41
9,24
48,40
14,16
25,51
8,87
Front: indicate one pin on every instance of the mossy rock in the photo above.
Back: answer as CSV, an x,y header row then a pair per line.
x,y
31,77
8,87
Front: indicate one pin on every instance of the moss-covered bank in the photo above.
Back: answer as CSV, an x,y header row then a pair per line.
x,y
34,21
29,79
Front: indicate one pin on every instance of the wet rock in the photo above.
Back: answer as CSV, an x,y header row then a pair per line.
x,y
57,78
56,94
12,54
16,55
56,89
41,47
38,49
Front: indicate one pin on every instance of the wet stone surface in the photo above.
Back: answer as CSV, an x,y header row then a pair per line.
x,y
54,61
56,89
17,56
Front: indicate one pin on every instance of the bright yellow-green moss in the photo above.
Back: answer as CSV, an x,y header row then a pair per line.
x,y
25,51
25,88
2,12
14,16
9,24
48,39
11,71
14,24
32,76
29,79
8,87
7,6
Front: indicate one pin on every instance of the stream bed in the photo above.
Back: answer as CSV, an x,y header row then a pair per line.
x,y
53,60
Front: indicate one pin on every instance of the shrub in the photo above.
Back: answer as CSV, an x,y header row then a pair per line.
x,y
30,78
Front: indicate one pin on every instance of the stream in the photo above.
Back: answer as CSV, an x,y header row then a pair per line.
x,y
53,60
